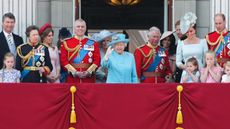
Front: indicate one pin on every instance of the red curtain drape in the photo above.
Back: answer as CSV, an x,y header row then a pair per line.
x,y
114,106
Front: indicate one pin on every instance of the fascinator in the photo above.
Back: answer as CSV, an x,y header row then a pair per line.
x,y
187,21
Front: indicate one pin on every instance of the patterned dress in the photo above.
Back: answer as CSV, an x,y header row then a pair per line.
x,y
9,76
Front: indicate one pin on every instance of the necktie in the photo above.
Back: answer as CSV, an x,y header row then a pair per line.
x,y
11,44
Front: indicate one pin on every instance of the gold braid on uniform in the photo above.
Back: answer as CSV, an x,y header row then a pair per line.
x,y
149,56
221,38
74,50
26,58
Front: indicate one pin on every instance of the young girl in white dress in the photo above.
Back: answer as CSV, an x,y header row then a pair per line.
x,y
192,73
8,74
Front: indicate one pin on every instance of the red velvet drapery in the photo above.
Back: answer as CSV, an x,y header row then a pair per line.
x,y
114,106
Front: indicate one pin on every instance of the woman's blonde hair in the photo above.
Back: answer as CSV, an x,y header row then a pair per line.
x,y
8,54
214,56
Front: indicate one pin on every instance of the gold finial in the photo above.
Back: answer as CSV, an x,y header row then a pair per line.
x,y
179,88
179,118
71,128
73,117
73,89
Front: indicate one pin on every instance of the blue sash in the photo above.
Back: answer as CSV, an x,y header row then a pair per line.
x,y
156,61
82,53
221,47
30,63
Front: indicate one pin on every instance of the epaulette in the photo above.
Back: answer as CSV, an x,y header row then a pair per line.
x,y
212,43
211,32
141,46
65,39
22,45
19,52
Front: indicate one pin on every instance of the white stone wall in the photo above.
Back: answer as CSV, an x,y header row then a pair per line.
x,y
205,11
24,11
60,13
200,7
219,6
203,14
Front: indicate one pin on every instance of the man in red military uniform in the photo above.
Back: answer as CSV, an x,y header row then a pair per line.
x,y
219,40
80,56
152,62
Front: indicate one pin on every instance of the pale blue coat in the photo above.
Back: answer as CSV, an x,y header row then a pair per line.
x,y
121,68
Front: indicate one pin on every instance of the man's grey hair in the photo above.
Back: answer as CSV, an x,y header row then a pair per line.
x,y
154,29
79,20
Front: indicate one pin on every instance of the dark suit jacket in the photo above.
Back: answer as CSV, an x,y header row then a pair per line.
x,y
4,48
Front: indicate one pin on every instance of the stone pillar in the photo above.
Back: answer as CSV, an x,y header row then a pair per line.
x,y
219,6
201,8
24,11
180,7
62,15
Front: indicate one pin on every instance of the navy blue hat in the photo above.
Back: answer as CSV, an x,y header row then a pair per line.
x,y
64,33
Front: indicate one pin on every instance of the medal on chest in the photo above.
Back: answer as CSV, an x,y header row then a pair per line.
x,y
161,54
89,47
228,46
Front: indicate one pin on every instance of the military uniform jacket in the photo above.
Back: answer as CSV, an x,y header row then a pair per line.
x,y
152,64
220,43
81,55
29,59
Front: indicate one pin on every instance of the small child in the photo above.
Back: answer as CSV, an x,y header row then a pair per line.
x,y
192,73
8,74
226,76
212,72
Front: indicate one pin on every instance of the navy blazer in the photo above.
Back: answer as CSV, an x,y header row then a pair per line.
x,y
4,48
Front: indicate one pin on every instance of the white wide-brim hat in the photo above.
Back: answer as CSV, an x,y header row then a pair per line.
x,y
166,34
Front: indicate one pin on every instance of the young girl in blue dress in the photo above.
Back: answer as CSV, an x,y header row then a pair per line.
x,y
8,74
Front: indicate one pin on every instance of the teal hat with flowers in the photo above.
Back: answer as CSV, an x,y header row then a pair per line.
x,y
117,38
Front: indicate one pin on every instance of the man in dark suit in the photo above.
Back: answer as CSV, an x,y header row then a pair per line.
x,y
8,40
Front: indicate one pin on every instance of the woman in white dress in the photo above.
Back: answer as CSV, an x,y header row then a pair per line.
x,y
192,46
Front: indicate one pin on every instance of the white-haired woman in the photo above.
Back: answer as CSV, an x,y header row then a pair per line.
x,y
120,64
192,46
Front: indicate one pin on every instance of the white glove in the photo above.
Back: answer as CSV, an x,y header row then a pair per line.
x,y
108,52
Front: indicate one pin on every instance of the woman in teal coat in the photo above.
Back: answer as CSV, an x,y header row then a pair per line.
x,y
120,64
